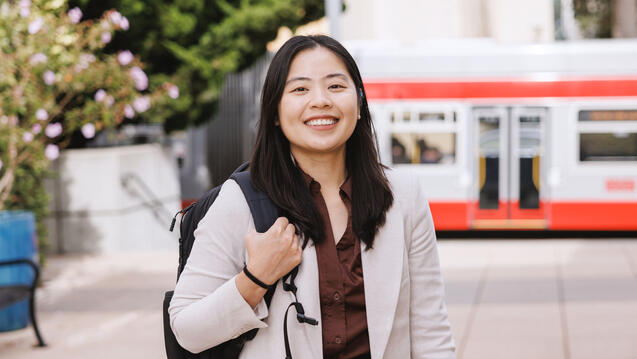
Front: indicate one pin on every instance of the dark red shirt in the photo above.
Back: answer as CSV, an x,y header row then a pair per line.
x,y
341,286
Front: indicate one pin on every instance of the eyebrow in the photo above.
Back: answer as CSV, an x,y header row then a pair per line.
x,y
301,78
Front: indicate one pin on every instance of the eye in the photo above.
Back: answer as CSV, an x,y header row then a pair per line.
x,y
299,89
337,86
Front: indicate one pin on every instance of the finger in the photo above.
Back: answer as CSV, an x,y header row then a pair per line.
x,y
279,225
295,245
289,231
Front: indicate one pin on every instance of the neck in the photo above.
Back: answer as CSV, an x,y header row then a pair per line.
x,y
328,169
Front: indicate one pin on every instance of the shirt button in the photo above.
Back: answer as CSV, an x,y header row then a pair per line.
x,y
337,297
338,340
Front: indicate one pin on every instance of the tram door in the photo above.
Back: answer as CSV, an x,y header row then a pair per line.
x,y
508,152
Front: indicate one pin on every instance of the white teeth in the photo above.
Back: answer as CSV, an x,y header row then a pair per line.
x,y
321,122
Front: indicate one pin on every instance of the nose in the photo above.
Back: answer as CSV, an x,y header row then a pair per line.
x,y
320,98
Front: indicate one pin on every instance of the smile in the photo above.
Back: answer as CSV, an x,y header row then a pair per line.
x,y
321,121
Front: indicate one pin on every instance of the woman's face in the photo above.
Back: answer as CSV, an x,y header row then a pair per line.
x,y
319,107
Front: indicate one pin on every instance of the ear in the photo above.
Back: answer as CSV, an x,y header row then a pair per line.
x,y
360,102
276,120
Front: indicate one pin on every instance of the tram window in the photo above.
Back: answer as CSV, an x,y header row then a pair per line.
x,y
430,116
608,147
415,148
608,115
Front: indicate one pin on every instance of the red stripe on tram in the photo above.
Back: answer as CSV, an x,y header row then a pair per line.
x,y
386,90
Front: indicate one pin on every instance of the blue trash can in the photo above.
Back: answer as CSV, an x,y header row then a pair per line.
x,y
17,240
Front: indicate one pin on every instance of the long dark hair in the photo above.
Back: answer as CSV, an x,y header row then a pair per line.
x,y
273,171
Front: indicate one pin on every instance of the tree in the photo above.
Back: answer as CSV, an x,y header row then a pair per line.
x,y
596,18
198,42
593,17
55,80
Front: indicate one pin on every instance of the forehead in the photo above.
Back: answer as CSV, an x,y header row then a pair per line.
x,y
316,62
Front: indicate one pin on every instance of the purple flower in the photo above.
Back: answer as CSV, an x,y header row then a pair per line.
x,y
141,104
53,130
115,17
49,77
24,8
129,112
173,91
109,101
88,130
75,14
37,58
35,25
41,114
100,95
27,137
125,57
106,37
36,128
123,23
140,78
52,152
80,67
0,164
87,58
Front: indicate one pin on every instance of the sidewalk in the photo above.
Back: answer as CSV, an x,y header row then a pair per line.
x,y
540,299
106,306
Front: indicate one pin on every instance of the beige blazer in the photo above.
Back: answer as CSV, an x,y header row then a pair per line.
x,y
404,294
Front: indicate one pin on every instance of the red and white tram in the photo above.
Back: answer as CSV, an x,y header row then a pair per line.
x,y
512,137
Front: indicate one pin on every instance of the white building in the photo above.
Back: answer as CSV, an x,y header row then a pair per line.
x,y
414,21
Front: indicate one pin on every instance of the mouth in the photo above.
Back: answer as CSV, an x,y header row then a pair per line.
x,y
322,122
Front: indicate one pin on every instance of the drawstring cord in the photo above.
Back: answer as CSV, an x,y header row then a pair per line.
x,y
300,312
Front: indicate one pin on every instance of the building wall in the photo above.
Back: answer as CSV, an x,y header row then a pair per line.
x,y
113,199
412,21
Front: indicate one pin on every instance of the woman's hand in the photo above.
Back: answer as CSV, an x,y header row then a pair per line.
x,y
273,254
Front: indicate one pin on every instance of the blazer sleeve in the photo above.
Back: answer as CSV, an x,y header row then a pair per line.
x,y
429,325
207,308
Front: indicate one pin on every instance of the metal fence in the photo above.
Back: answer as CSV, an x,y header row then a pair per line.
x,y
231,134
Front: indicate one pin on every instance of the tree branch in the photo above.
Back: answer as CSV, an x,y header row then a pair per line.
x,y
6,182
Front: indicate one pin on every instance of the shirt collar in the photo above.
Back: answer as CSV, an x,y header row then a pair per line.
x,y
312,184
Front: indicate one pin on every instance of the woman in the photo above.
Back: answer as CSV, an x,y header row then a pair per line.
x,y
369,272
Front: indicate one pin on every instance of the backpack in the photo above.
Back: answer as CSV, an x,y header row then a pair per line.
x,y
264,213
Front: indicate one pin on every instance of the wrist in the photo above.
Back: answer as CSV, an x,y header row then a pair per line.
x,y
255,278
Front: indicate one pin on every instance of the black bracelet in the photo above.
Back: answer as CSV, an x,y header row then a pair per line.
x,y
254,279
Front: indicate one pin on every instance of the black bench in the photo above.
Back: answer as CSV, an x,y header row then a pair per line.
x,y
11,294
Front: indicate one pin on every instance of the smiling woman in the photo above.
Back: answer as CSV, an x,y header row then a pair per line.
x,y
319,105
360,236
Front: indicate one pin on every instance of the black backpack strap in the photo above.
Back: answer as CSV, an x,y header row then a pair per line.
x,y
263,210
264,213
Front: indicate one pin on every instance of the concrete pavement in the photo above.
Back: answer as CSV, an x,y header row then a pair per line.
x,y
543,299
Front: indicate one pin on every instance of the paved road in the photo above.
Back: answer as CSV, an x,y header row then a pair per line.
x,y
540,299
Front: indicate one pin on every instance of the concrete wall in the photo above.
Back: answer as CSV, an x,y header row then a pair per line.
x,y
113,199
412,21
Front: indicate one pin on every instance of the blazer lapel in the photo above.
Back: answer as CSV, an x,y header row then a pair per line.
x,y
382,272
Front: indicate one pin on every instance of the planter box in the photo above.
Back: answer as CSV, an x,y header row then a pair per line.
x,y
114,199
17,241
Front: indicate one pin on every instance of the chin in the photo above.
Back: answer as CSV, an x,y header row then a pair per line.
x,y
323,148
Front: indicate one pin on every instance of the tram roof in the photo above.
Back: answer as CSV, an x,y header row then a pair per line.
x,y
483,58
